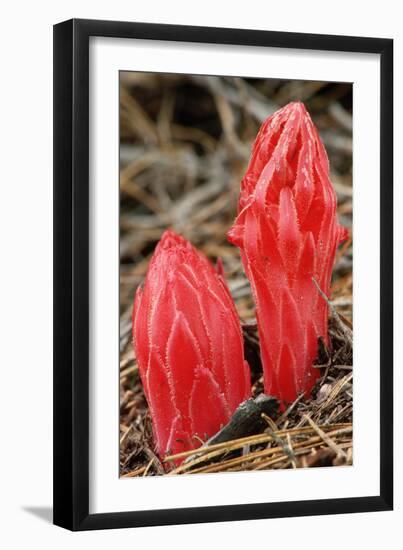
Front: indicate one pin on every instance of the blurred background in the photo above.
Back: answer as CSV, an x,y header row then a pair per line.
x,y
185,142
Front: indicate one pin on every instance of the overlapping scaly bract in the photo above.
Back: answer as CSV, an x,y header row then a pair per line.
x,y
189,347
288,232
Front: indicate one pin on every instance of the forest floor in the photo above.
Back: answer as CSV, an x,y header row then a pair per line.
x,y
184,145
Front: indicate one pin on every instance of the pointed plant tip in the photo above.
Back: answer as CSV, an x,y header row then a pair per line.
x,y
170,238
344,234
297,105
294,107
220,267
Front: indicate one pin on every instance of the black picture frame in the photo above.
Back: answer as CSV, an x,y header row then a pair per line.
x,y
71,274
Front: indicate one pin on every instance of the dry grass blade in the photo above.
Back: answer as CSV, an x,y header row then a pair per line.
x,y
136,473
336,389
326,438
346,330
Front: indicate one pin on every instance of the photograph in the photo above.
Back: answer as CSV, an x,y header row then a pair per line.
x,y
236,271
204,230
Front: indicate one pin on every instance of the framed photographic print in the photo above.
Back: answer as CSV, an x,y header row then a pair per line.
x,y
222,227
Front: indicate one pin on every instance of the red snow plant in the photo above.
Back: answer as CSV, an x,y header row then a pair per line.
x,y
288,232
188,342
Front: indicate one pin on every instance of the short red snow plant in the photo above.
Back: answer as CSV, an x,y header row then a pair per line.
x,y
287,231
189,347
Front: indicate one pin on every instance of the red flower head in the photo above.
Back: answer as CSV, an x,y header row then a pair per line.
x,y
189,347
288,232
